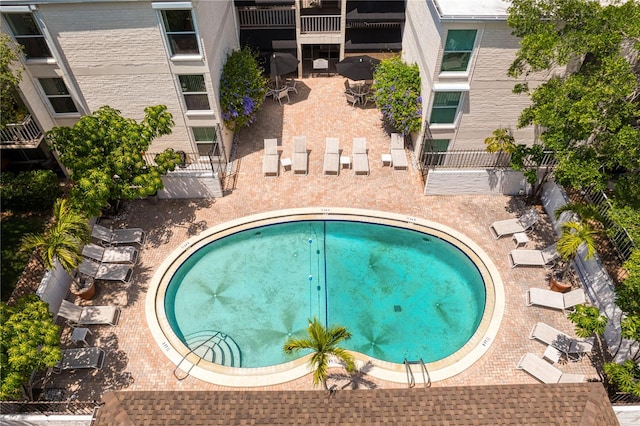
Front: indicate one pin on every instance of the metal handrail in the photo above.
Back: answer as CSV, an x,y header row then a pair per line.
x,y
217,333
411,380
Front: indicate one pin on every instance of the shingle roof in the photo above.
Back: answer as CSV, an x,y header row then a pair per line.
x,y
576,404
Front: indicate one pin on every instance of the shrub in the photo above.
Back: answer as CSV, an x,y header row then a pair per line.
x,y
242,89
396,90
33,190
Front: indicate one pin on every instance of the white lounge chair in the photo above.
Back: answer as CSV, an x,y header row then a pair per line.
x,y
114,237
119,254
398,156
89,315
270,166
360,159
512,226
331,163
553,299
545,372
571,347
106,271
545,257
73,359
300,155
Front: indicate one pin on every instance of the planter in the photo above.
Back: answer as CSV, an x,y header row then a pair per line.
x,y
84,288
558,286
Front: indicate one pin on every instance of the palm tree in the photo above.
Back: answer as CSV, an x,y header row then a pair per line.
x,y
323,342
62,240
574,234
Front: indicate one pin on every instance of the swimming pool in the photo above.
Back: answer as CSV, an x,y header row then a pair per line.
x,y
372,272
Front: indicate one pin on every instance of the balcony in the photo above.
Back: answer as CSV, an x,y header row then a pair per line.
x,y
320,24
26,134
267,17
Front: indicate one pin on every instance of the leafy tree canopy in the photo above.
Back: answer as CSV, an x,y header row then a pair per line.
x,y
242,89
396,90
30,340
589,116
10,76
104,153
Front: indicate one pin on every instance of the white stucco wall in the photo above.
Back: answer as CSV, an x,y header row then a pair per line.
x,y
475,182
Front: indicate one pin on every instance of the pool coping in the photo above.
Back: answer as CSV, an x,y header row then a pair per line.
x,y
191,364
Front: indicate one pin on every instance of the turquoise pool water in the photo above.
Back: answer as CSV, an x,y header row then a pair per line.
x,y
401,293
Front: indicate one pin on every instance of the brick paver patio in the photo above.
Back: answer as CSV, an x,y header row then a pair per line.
x,y
319,110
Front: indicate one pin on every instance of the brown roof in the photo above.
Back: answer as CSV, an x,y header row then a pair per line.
x,y
576,404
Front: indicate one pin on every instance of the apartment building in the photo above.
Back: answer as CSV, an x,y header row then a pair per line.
x,y
80,55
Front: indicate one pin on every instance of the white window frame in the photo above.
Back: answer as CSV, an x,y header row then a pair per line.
x,y
183,6
449,87
49,97
471,52
212,142
14,10
184,94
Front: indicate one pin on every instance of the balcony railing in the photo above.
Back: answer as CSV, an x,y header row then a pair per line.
x,y
24,133
320,24
268,17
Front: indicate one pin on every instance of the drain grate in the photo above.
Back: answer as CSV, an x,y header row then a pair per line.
x,y
397,308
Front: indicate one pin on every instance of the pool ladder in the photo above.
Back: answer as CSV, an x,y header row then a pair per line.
x,y
210,349
411,380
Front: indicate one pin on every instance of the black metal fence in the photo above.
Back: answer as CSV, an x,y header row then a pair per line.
x,y
473,159
48,408
193,162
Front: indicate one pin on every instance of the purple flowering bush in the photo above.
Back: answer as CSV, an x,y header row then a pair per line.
x,y
396,91
242,89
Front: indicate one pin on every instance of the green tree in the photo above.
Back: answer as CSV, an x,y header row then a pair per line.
x,y
589,114
30,340
10,76
588,322
626,376
396,91
62,240
323,342
104,153
242,89
574,235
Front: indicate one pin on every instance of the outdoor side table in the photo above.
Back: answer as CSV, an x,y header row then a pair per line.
x,y
386,160
520,239
345,161
552,353
286,163
79,334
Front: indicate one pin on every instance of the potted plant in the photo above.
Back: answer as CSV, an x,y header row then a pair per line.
x,y
574,235
82,286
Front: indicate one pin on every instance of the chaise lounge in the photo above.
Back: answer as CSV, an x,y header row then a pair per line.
x,y
118,254
360,159
545,372
513,226
89,315
545,257
553,299
270,159
106,271
73,359
398,156
300,155
108,237
331,163
571,347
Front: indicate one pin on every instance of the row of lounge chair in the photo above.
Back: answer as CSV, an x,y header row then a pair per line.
x,y
331,163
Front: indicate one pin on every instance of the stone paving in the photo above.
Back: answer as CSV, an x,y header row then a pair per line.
x,y
319,110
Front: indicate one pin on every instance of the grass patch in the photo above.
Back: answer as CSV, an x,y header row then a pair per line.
x,y
12,261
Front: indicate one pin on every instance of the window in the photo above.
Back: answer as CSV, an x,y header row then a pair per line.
x,y
27,33
181,32
205,138
58,95
458,49
445,106
194,92
431,150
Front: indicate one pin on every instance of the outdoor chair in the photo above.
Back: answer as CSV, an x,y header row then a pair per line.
x,y
73,359
513,226
108,237
351,98
573,348
545,257
545,372
360,159
331,163
118,254
553,299
300,155
398,156
106,271
270,166
89,315
284,93
291,86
